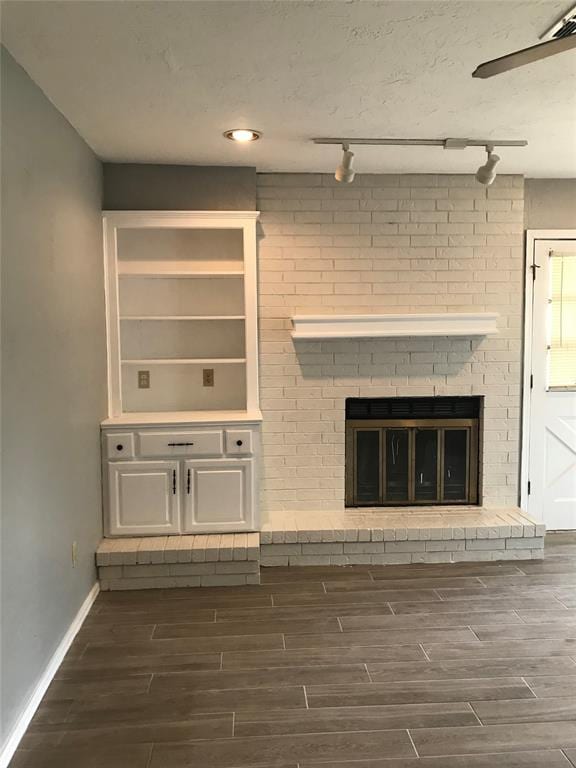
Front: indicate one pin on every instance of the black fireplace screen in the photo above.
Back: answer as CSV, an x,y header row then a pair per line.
x,y
418,451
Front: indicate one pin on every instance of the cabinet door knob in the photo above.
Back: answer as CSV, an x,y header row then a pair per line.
x,y
238,443
119,447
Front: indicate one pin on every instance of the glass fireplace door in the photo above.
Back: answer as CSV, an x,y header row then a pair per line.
x,y
418,463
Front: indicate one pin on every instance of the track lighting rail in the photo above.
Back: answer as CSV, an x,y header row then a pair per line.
x,y
446,143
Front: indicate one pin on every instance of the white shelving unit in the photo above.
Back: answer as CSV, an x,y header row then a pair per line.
x,y
181,290
182,354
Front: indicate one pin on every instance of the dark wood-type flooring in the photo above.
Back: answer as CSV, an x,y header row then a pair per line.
x,y
431,666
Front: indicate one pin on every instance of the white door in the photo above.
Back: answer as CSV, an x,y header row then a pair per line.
x,y
144,498
551,421
219,495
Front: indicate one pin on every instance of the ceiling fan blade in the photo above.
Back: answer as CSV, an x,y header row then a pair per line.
x,y
525,56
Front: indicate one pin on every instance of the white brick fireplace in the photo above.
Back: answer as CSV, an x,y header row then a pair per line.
x,y
386,244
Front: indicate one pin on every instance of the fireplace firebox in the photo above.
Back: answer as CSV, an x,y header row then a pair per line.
x,y
417,451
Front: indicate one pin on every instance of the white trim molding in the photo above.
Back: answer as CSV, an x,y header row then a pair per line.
x,y
10,746
387,326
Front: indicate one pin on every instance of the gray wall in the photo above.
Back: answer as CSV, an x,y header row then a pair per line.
x,y
178,187
550,204
53,380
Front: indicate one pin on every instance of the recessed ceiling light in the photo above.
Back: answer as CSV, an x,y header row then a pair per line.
x,y
242,135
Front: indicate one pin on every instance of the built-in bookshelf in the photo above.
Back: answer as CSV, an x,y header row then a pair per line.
x,y
181,307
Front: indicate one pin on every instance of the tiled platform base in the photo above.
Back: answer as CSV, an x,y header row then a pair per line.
x,y
179,561
396,536
354,537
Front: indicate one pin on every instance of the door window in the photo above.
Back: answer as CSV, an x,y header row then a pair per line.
x,y
562,321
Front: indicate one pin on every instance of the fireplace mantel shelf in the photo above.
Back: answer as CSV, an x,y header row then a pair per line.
x,y
317,327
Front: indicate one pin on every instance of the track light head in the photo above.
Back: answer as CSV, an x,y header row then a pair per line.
x,y
345,172
487,172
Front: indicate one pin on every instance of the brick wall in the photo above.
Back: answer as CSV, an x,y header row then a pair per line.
x,y
411,243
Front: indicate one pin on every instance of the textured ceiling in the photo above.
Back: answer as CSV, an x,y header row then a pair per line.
x,y
160,81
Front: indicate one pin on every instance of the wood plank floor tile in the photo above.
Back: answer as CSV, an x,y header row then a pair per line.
x,y
261,678
494,738
563,615
425,692
302,612
492,604
286,575
525,632
501,650
183,645
559,564
547,759
532,711
374,596
551,686
354,719
240,752
382,637
152,615
157,709
407,584
473,668
226,628
199,727
111,668
560,579
487,593
66,690
428,620
106,633
445,570
119,756
186,602
325,656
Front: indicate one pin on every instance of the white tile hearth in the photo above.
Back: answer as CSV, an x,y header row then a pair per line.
x,y
399,535
156,562
354,537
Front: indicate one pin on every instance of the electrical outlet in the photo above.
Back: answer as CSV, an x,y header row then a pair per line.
x,y
208,377
74,554
143,379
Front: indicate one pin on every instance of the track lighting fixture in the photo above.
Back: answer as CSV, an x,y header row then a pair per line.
x,y
345,172
487,172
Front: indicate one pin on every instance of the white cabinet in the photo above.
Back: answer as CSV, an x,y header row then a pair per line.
x,y
219,495
143,497
181,444
200,479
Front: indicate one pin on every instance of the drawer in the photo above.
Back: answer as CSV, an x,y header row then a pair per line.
x,y
119,445
201,443
239,442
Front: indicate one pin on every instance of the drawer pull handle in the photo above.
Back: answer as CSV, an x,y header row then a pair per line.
x,y
238,443
188,481
173,445
119,447
174,482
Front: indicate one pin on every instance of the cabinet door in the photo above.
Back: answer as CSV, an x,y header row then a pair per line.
x,y
219,495
144,497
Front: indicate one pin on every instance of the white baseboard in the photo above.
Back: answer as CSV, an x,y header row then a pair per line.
x,y
11,744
